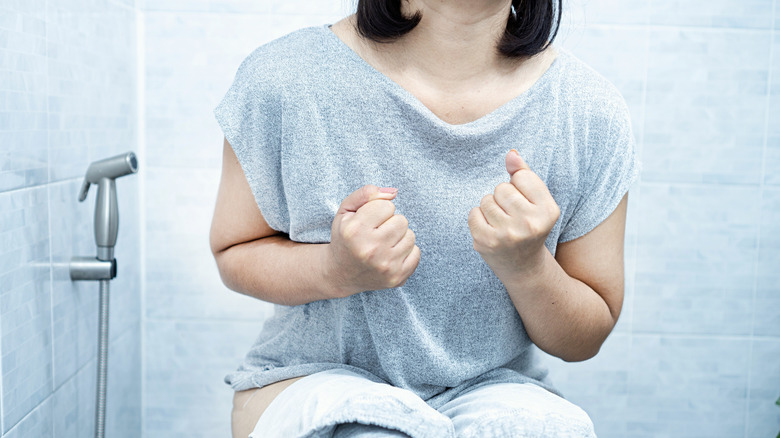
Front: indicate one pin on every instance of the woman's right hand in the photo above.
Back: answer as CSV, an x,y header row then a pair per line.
x,y
370,248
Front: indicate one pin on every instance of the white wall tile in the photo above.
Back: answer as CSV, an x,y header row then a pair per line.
x,y
186,395
706,102
74,304
37,424
687,387
712,13
763,413
696,259
23,155
90,50
123,397
766,317
25,302
584,13
772,153
73,404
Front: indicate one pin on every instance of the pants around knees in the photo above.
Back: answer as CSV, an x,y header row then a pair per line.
x,y
516,410
342,404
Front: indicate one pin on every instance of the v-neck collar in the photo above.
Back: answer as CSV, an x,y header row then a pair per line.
x,y
411,99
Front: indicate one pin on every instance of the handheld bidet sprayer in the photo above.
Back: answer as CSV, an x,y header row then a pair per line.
x,y
104,173
103,267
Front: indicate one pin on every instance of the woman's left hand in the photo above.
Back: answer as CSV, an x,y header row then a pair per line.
x,y
510,226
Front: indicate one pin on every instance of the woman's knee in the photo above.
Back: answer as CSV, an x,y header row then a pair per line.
x,y
527,424
516,410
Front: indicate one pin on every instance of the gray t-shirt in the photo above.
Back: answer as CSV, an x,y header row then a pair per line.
x,y
310,122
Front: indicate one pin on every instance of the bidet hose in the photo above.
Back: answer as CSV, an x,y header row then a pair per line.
x,y
102,358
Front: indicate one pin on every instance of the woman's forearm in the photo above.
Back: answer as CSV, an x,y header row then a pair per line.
x,y
562,315
277,270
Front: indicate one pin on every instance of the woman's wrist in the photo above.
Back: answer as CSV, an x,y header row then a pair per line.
x,y
529,272
334,283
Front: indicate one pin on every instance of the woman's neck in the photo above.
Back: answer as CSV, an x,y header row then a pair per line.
x,y
455,40
450,61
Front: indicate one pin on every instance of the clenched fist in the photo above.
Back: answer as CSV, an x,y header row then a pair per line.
x,y
510,226
371,247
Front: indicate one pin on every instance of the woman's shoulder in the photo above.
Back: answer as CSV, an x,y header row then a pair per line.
x,y
285,59
587,91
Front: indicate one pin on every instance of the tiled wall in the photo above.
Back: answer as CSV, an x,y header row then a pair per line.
x,y
67,97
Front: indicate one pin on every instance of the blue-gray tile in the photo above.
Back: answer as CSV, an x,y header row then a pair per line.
x,y
777,16
215,6
182,280
75,304
766,319
598,385
25,302
687,387
124,398
91,99
128,3
585,13
695,261
23,157
763,413
74,404
181,129
772,156
712,13
332,8
185,393
705,106
37,424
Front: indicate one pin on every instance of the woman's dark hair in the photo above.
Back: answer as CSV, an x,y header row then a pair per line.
x,y
529,26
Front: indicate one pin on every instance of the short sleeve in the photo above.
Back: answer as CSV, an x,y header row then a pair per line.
x,y
611,169
250,118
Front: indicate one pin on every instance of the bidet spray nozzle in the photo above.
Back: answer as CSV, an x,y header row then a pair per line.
x,y
104,173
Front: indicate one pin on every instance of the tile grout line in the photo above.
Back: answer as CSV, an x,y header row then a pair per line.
x,y
676,335
140,41
2,412
37,186
122,5
668,27
757,257
48,206
639,220
700,184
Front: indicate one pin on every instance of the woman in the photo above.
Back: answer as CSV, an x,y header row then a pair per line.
x,y
440,190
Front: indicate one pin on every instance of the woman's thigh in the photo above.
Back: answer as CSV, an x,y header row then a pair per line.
x,y
249,405
502,410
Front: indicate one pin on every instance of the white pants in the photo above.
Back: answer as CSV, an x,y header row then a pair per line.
x,y
338,403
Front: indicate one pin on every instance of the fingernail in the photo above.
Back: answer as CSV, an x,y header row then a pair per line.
x,y
518,153
388,189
